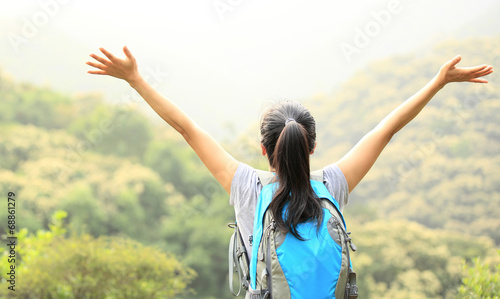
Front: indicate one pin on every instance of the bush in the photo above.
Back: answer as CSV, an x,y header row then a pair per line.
x,y
481,280
48,265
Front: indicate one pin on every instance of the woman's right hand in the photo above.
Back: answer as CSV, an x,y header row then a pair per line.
x,y
125,69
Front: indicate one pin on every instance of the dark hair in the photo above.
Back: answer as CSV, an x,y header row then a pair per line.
x,y
288,147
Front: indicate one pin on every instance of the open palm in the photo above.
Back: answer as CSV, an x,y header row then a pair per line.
x,y
125,69
449,72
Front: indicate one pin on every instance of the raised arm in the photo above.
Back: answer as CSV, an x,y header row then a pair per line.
x,y
216,159
356,163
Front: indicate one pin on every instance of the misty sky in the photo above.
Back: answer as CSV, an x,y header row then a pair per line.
x,y
226,58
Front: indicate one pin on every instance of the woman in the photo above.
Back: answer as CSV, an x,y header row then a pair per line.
x,y
288,138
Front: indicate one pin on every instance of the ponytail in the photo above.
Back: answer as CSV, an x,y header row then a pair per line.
x,y
294,201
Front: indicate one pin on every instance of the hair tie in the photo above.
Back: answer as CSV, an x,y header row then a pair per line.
x,y
289,120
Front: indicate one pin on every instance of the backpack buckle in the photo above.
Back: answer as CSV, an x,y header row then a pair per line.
x,y
351,287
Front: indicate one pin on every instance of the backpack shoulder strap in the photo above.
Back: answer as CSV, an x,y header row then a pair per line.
x,y
265,198
238,261
317,175
322,192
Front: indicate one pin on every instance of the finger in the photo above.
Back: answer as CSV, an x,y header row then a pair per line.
x,y
100,59
97,65
478,80
128,53
97,72
455,60
482,73
109,55
474,69
486,69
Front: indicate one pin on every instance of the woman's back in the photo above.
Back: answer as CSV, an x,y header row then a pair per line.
x,y
246,188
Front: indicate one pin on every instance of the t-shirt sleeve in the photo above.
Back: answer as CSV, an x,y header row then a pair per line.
x,y
243,187
336,184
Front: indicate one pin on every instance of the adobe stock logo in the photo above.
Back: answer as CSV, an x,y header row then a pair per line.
x,y
31,26
372,29
224,6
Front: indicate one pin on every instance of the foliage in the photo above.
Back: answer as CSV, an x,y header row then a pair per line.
x,y
401,259
198,232
118,131
481,279
107,195
29,104
179,166
84,267
50,173
104,128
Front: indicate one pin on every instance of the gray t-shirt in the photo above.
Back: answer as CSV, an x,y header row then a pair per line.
x,y
246,187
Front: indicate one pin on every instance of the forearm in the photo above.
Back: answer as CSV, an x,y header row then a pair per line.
x,y
166,109
356,163
216,159
408,110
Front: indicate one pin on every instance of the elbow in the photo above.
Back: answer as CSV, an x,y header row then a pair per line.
x,y
189,132
185,135
384,134
184,130
390,135
389,128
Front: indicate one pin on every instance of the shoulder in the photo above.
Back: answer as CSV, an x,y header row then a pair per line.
x,y
332,171
242,174
245,183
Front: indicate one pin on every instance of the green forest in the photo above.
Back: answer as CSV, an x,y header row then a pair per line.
x,y
117,207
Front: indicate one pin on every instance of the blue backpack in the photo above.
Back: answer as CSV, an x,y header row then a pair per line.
x,y
283,266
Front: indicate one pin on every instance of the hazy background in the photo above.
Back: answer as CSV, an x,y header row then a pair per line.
x,y
235,61
128,210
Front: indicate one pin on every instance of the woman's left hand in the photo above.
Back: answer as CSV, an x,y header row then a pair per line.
x,y
449,72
